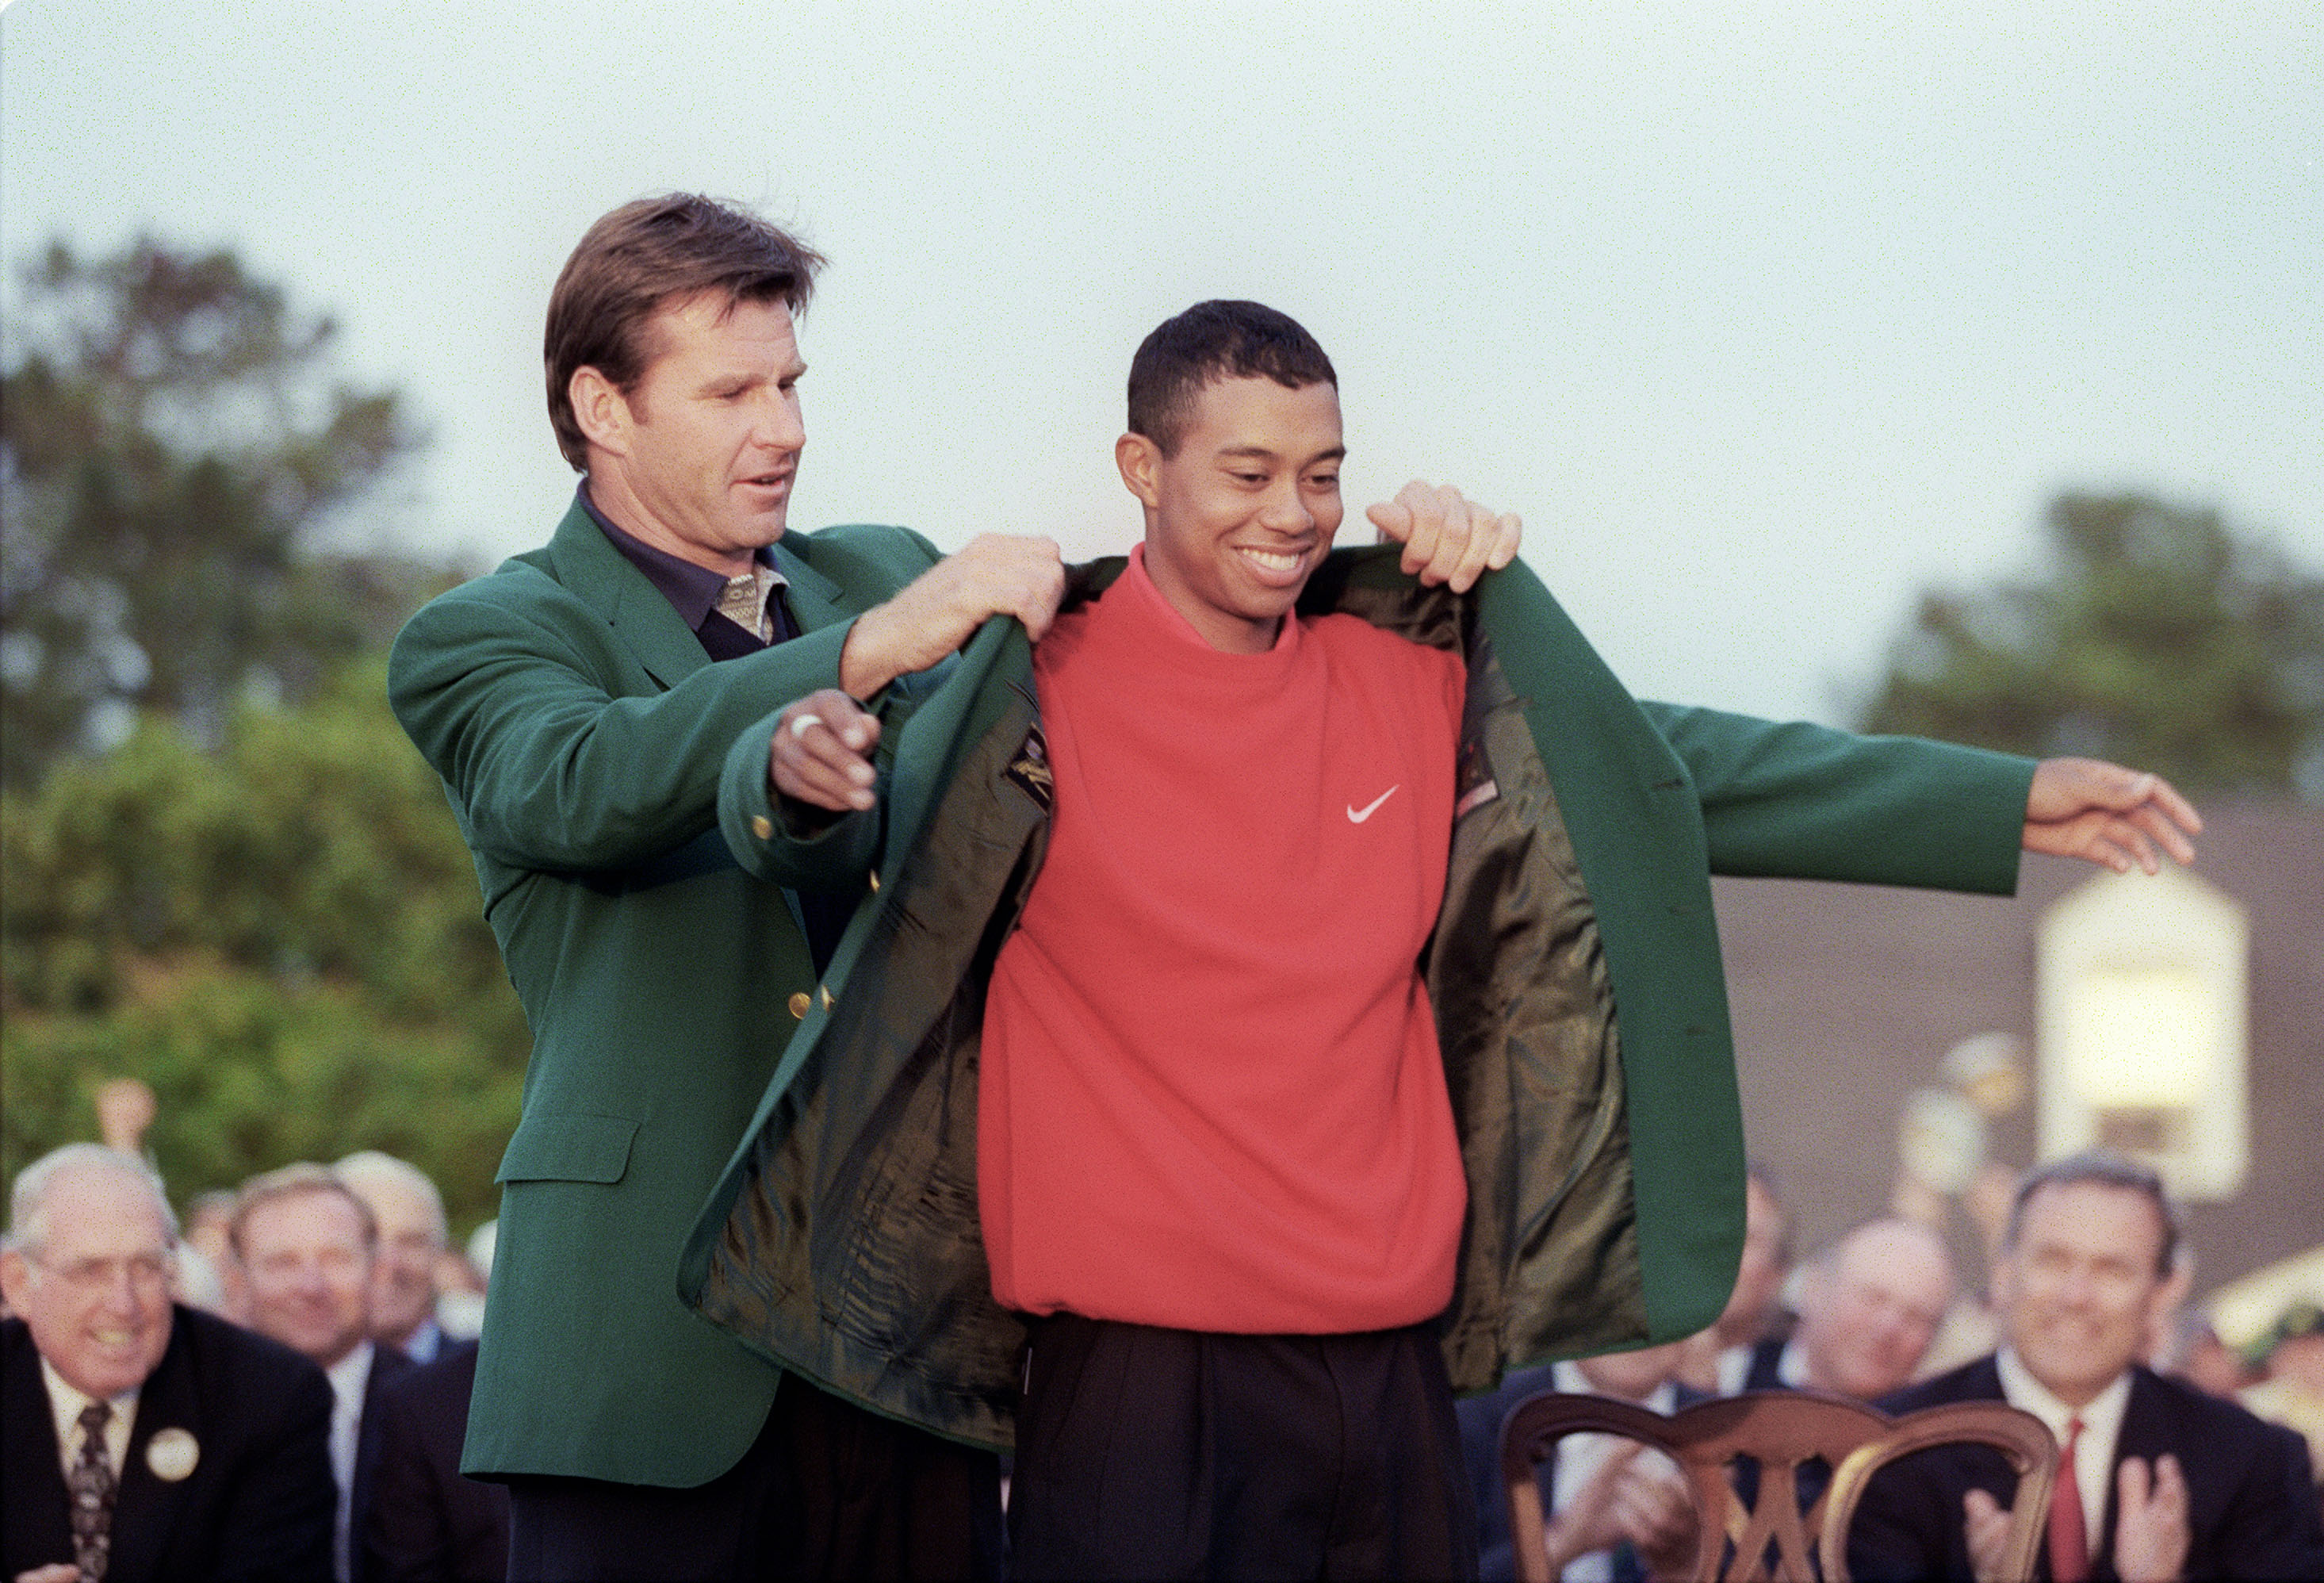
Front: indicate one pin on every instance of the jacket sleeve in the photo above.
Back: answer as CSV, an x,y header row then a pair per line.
x,y
2272,1526
1801,801
509,693
771,843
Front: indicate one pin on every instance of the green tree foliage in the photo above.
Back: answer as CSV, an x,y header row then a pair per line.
x,y
282,937
2162,640
173,441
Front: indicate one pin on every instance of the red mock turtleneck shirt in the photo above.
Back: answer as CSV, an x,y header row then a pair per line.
x,y
1210,1094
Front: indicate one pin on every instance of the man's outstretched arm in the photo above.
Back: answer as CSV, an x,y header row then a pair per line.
x,y
1801,801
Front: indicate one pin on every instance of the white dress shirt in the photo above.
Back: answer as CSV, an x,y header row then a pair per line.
x,y
1580,1457
349,1377
67,1402
2102,1428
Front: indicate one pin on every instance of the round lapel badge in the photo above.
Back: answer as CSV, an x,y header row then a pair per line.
x,y
172,1454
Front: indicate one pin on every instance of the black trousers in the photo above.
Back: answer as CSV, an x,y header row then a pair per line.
x,y
1154,1453
826,1491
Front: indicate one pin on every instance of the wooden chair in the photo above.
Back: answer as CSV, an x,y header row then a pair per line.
x,y
1778,1430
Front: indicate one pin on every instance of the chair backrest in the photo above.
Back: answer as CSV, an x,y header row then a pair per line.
x,y
1778,1430
2024,1440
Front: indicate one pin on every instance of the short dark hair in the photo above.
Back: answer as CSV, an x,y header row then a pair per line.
x,y
1213,341
2099,1168
641,256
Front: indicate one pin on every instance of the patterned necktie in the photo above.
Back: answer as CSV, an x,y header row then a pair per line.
x,y
2070,1545
743,602
91,1485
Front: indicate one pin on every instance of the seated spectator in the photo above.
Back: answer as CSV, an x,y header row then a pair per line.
x,y
2156,1480
1868,1306
140,1439
1614,1511
2292,1393
409,1214
307,1247
424,1522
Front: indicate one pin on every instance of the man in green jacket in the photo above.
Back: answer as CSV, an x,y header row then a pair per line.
x,y
1577,1063
579,703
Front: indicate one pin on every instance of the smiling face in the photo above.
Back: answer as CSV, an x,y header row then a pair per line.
x,y
2079,1285
410,1239
1240,515
698,457
1869,1311
95,1292
307,1266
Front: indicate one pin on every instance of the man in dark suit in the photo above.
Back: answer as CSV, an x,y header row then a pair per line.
x,y
2156,1480
1610,1516
191,1447
423,1521
309,1248
1869,1305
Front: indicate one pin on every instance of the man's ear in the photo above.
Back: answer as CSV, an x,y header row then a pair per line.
x,y
1140,462
15,1274
601,409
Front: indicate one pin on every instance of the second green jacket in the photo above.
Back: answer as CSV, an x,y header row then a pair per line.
x,y
1575,973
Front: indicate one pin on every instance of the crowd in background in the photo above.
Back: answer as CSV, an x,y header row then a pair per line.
x,y
347,1268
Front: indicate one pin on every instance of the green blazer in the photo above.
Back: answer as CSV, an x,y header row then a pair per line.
x,y
1574,975
580,729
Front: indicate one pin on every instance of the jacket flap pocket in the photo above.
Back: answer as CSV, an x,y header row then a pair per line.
x,y
568,1148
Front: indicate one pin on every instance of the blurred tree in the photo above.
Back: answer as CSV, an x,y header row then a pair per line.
x,y
2163,640
282,938
172,436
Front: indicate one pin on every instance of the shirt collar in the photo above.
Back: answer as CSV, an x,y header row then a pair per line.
x,y
692,590
67,1401
352,1373
2101,1417
2102,1428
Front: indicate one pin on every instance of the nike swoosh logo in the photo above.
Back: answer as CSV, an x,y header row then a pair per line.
x,y
1370,807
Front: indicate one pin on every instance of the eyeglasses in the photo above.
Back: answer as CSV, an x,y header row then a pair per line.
x,y
144,1271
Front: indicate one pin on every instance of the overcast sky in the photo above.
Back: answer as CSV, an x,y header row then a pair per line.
x,y
1765,317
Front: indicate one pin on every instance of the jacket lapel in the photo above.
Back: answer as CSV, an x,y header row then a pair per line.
x,y
587,563
39,1530
145,1512
813,598
602,577
2145,1432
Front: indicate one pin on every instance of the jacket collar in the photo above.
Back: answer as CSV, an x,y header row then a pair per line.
x,y
586,562
145,1512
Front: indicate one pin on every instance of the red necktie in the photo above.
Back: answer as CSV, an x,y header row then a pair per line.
x,y
2070,1545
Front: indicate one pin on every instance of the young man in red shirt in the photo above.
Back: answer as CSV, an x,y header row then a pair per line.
x,y
1217,1163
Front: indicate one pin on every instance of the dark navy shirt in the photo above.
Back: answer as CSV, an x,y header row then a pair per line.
x,y
693,592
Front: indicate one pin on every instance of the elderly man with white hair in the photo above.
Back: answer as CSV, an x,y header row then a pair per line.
x,y
1869,1305
412,1236
140,1439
